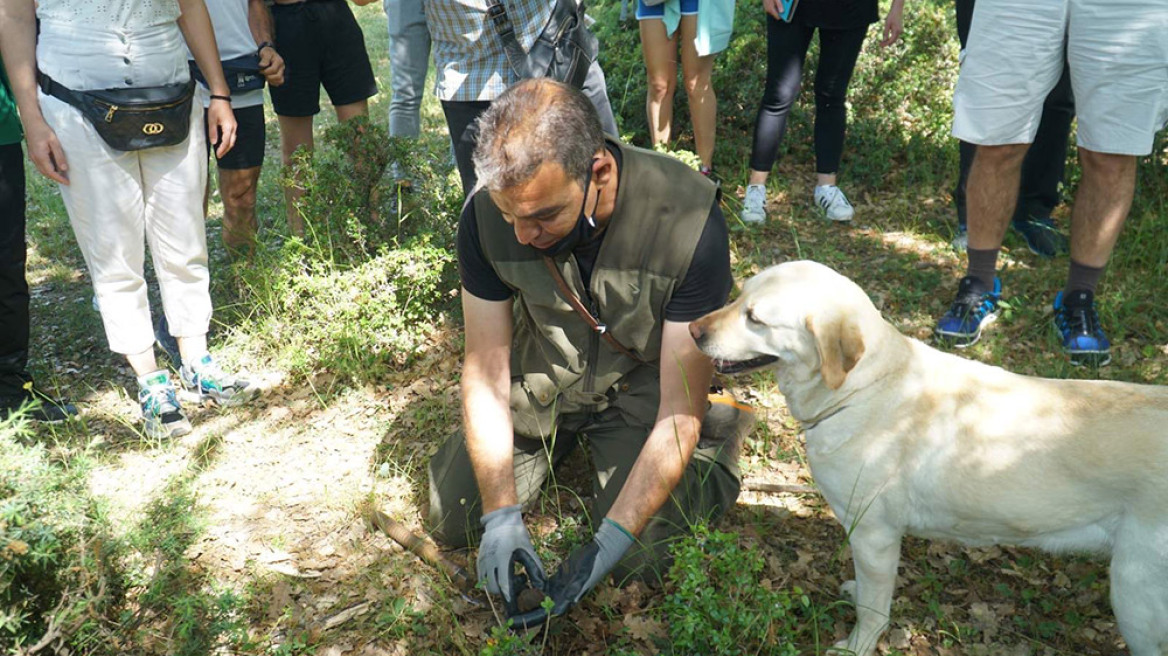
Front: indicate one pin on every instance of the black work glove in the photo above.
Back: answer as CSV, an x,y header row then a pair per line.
x,y
587,565
506,541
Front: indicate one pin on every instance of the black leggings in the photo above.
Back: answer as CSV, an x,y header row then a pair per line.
x,y
787,45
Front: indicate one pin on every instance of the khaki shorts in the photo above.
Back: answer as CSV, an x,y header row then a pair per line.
x,y
1118,54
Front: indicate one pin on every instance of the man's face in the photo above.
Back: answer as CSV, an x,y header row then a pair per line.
x,y
544,209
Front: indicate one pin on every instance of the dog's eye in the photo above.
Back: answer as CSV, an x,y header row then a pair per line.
x,y
752,318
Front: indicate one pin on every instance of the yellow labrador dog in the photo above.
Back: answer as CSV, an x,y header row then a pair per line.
x,y
904,439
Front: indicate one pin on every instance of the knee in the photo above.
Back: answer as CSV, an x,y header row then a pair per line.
x,y
661,87
240,199
697,86
830,99
1005,154
1106,165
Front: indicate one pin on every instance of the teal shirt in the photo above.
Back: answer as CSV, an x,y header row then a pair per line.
x,y
9,120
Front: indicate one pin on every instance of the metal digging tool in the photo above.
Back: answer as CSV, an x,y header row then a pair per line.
x,y
525,612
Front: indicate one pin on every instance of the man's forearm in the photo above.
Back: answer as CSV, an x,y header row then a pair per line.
x,y
259,21
18,46
657,471
490,443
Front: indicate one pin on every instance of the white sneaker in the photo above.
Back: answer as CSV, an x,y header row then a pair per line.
x,y
834,203
754,205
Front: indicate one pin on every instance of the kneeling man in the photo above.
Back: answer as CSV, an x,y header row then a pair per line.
x,y
582,262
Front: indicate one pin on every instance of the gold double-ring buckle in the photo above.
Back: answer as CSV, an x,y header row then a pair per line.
x,y
153,128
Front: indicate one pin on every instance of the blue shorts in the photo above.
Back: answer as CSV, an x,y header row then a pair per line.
x,y
688,8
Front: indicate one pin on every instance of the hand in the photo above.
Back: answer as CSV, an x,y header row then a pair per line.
x,y
46,152
588,565
504,541
893,25
272,66
772,7
221,126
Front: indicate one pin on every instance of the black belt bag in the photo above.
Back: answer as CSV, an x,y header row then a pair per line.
x,y
132,119
564,50
242,73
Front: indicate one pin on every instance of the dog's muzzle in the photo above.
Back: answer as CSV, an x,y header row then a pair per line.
x,y
739,366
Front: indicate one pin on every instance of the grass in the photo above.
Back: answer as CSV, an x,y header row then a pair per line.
x,y
248,534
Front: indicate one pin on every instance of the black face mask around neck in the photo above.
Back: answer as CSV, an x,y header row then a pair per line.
x,y
585,225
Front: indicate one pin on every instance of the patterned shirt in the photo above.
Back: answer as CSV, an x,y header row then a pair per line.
x,y
467,51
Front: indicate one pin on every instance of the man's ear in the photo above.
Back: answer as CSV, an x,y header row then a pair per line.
x,y
840,345
603,168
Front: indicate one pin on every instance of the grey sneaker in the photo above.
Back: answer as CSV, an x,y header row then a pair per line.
x,y
834,203
754,205
205,380
161,412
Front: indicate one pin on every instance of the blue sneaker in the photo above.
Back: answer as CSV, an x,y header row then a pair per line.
x,y
974,308
1078,327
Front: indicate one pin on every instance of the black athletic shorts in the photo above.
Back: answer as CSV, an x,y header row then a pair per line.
x,y
250,139
321,43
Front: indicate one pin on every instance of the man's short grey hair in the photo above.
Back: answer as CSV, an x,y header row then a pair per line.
x,y
533,122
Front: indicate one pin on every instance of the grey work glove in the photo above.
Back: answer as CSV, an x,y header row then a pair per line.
x,y
588,565
505,541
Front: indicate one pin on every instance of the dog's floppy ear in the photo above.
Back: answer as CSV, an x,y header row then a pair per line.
x,y
840,346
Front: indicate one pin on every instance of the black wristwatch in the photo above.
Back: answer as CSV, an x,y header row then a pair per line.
x,y
265,44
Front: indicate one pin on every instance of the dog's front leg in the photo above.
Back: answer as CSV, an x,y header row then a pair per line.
x,y
876,552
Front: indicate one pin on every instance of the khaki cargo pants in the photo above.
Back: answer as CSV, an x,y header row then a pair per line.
x,y
708,488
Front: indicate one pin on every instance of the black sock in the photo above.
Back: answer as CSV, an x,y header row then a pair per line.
x,y
1082,278
983,265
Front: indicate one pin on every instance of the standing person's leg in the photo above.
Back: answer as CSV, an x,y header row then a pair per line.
x,y
14,321
16,386
1118,56
172,183
239,175
462,122
998,105
787,45
105,203
297,101
965,150
1042,172
708,488
660,54
696,74
838,51
295,134
409,59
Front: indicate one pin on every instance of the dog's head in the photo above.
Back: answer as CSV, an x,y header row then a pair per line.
x,y
800,318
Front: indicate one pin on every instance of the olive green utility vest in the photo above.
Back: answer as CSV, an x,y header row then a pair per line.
x,y
559,365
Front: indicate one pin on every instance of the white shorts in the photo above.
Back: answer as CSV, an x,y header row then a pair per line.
x,y
1118,54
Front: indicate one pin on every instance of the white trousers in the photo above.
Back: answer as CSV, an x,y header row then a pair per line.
x,y
117,199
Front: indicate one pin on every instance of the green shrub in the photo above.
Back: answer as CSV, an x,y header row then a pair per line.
x,y
57,574
353,211
356,321
718,602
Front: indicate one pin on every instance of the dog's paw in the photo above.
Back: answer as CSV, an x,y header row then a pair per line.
x,y
848,589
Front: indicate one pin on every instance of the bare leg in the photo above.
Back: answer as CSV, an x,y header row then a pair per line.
x,y
703,105
295,131
1101,205
143,363
191,348
822,179
758,177
352,110
992,193
660,54
238,190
